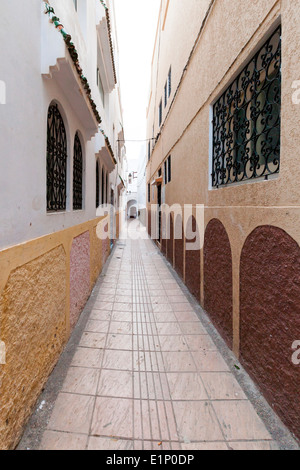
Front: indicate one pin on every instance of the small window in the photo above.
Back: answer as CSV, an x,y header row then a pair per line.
x,y
149,193
56,161
160,113
77,174
169,169
169,82
246,120
100,86
165,172
97,185
166,94
75,4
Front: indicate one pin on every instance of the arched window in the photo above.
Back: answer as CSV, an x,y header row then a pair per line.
x,y
56,161
77,174
97,185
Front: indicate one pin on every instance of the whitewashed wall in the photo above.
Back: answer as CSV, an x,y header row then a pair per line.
x,y
23,129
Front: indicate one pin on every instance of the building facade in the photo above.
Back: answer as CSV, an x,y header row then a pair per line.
x,y
224,115
62,160
141,185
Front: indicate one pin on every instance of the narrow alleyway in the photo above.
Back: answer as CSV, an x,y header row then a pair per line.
x,y
146,373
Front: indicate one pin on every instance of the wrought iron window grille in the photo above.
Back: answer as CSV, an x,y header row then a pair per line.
x,y
247,118
56,161
97,185
77,174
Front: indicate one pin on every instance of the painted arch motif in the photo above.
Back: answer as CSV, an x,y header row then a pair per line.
x,y
218,279
270,318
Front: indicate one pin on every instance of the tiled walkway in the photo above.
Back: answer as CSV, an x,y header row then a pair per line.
x,y
146,374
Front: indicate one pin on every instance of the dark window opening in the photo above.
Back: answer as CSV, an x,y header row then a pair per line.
x,y
77,174
160,114
97,185
169,82
56,161
169,169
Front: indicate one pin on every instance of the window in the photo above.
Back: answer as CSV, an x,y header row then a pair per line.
x,y
160,113
170,82
166,94
167,170
100,86
75,4
97,185
56,161
77,174
149,193
246,120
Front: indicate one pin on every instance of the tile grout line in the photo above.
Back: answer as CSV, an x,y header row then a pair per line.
x,y
142,280
167,382
141,323
99,378
138,361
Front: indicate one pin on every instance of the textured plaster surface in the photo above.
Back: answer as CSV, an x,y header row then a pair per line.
x,y
32,313
96,255
270,318
79,276
218,278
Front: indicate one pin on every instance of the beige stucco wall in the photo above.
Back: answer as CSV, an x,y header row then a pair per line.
x,y
35,317
229,37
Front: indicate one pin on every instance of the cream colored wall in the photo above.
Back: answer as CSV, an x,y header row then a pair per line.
x,y
189,14
228,40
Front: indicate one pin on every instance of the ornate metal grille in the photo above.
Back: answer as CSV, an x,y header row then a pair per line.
x,y
97,185
77,174
56,161
246,121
